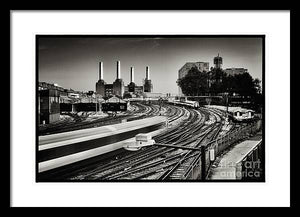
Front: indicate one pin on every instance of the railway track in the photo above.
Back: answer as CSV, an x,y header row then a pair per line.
x,y
179,170
173,113
79,122
172,167
197,127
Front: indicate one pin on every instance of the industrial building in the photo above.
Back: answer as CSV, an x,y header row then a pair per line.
x,y
48,106
139,89
62,91
114,104
54,100
132,88
235,71
131,85
183,71
117,88
118,85
46,86
109,90
201,66
148,87
204,67
100,85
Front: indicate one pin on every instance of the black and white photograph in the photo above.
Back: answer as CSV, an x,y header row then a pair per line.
x,y
150,108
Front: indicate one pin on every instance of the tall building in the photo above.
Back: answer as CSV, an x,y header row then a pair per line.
x,y
48,107
218,61
235,71
118,85
100,85
148,87
201,66
117,88
183,71
131,85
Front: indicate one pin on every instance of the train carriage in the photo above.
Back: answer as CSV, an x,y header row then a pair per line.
x,y
241,114
188,103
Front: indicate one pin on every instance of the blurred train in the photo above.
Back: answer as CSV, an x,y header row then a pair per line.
x,y
61,149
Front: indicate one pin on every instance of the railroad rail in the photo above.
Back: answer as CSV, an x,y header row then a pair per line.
x,y
188,128
196,125
80,122
173,113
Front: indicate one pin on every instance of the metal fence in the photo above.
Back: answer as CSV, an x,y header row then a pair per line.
x,y
202,163
250,167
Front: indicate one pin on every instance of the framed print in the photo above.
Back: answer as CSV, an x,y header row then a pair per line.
x,y
172,111
129,108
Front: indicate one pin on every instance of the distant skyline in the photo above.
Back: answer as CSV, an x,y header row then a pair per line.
x,y
73,62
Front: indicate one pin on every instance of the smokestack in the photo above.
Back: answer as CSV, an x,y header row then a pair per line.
x,y
118,70
147,73
100,70
131,74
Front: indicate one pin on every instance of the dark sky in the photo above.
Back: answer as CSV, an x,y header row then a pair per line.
x,y
73,62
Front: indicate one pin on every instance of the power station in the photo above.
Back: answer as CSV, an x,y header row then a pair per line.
x,y
131,85
147,83
118,85
118,88
100,85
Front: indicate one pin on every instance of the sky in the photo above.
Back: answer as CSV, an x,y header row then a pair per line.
x,y
73,62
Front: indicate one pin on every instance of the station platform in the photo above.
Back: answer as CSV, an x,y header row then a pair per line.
x,y
228,165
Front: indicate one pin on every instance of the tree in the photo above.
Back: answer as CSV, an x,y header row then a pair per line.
x,y
127,95
244,84
216,81
257,85
194,83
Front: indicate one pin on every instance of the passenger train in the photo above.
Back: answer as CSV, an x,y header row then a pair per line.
x,y
188,103
61,149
